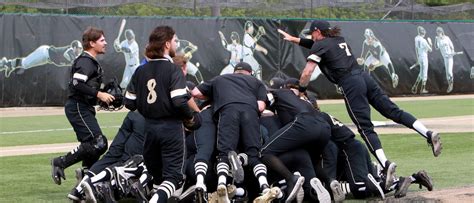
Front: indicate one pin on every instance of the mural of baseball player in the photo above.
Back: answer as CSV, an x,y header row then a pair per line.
x,y
44,54
472,72
250,45
235,49
129,48
375,55
445,46
187,48
422,47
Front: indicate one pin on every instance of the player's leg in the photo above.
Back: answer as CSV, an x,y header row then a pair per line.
x,y
205,138
355,92
170,137
382,103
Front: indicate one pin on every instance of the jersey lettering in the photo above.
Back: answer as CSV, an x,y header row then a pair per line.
x,y
346,48
151,98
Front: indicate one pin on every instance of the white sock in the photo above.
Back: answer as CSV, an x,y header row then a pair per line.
x,y
381,156
262,180
420,128
222,180
200,181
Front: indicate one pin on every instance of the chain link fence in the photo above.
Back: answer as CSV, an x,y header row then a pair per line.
x,y
330,9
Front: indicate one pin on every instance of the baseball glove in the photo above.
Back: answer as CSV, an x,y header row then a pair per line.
x,y
115,90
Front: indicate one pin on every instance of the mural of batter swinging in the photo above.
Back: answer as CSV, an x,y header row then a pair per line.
x,y
375,55
187,48
422,47
235,49
129,48
44,54
250,45
445,46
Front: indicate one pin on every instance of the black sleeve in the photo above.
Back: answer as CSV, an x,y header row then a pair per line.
x,y
317,51
82,71
306,43
179,94
206,88
261,92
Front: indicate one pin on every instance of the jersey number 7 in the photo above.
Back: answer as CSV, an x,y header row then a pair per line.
x,y
346,48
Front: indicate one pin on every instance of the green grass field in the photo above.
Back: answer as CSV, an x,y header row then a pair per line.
x,y
56,129
27,178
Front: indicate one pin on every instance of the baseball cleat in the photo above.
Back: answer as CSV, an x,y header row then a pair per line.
x,y
389,172
337,192
402,187
423,179
89,190
374,187
434,140
268,195
200,195
75,195
138,192
222,195
322,193
293,187
236,167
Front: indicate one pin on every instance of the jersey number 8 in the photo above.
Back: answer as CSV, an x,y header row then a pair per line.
x,y
151,98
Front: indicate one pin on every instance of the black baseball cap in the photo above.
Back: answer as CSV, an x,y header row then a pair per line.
x,y
276,83
243,66
318,25
292,83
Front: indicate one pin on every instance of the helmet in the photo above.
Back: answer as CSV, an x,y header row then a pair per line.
x,y
115,90
129,34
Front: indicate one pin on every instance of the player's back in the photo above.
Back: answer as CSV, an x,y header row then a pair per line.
x,y
336,57
236,88
153,82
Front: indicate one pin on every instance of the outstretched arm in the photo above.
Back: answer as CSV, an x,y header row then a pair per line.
x,y
307,72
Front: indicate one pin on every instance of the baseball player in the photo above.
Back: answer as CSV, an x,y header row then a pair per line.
x,y
333,56
45,54
86,77
445,46
127,143
374,55
235,49
422,47
238,100
250,45
302,128
158,91
129,48
187,49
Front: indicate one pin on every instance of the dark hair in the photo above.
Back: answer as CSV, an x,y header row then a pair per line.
x,y
180,60
333,32
157,40
91,34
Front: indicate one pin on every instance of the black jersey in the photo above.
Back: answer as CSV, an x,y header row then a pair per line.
x,y
339,132
287,105
153,87
334,57
234,88
85,79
